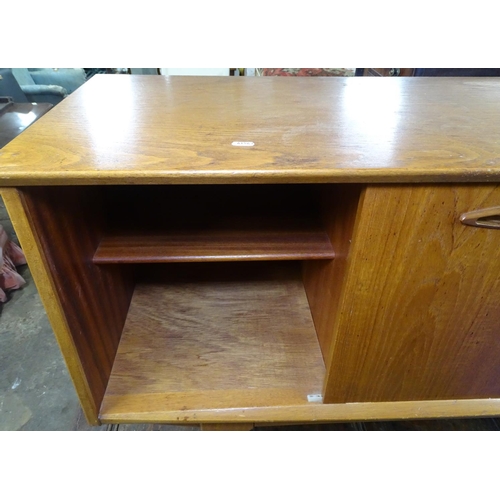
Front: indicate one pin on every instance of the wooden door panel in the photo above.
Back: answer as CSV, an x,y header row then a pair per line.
x,y
420,313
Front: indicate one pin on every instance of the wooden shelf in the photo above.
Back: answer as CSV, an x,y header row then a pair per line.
x,y
158,224
206,345
280,239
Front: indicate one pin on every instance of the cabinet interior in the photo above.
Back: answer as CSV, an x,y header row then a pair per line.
x,y
212,223
198,297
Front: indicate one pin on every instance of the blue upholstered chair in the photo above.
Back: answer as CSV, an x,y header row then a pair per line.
x,y
47,84
9,86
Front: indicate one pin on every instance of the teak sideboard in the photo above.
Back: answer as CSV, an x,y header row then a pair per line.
x,y
240,251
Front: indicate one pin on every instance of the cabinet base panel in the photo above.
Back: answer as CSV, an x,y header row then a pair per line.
x,y
315,413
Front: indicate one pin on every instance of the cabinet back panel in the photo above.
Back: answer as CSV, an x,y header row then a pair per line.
x,y
184,207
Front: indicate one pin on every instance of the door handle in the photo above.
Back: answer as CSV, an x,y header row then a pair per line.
x,y
487,218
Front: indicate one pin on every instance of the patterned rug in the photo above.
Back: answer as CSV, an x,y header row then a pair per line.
x,y
306,71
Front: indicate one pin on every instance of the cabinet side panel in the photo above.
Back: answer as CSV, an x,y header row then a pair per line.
x,y
49,295
419,316
69,224
323,280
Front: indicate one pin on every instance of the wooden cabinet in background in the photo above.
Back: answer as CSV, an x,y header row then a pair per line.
x,y
384,71
460,72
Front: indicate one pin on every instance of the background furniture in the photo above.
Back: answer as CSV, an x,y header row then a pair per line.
x,y
15,117
9,87
305,71
143,71
428,72
10,257
194,71
47,84
290,256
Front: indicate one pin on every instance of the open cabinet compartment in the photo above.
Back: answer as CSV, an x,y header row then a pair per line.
x,y
215,335
164,333
212,223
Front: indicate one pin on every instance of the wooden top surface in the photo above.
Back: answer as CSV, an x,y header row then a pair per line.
x,y
120,129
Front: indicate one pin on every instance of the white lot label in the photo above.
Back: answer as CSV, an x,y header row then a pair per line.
x,y
314,398
241,143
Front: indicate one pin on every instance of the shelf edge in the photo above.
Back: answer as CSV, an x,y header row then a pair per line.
x,y
316,413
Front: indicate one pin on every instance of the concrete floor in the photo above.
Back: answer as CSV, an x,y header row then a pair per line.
x,y
36,392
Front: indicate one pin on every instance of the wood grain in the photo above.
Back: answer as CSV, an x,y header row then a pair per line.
x,y
323,281
126,129
218,343
260,239
406,315
150,408
95,300
419,316
46,285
